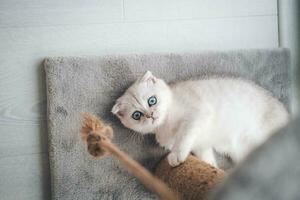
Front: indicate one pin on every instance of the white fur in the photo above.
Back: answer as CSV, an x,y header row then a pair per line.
x,y
232,116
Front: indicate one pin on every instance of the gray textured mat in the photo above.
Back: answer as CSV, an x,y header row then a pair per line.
x,y
92,84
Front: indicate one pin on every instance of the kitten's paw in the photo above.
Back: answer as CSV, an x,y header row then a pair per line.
x,y
169,146
211,160
175,159
208,157
212,163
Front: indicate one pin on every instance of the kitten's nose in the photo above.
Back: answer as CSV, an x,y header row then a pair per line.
x,y
149,115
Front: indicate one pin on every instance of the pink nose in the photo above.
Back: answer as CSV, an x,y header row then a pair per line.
x,y
149,116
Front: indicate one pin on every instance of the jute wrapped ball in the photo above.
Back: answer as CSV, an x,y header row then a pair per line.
x,y
193,179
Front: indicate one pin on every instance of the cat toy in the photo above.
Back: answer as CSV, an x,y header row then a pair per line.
x,y
191,180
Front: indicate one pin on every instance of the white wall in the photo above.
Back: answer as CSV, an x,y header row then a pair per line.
x,y
31,30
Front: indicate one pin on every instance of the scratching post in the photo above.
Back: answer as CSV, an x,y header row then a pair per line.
x,y
191,180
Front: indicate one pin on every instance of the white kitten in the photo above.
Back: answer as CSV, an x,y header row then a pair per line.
x,y
232,116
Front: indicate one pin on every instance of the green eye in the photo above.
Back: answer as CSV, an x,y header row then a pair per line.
x,y
152,101
136,115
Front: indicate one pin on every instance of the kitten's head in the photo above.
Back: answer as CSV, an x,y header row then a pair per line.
x,y
143,107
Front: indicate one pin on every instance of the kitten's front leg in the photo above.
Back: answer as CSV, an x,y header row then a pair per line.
x,y
209,157
187,134
164,141
182,147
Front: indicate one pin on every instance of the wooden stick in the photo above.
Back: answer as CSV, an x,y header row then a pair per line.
x,y
98,135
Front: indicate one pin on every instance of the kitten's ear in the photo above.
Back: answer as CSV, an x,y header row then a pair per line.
x,y
116,110
148,77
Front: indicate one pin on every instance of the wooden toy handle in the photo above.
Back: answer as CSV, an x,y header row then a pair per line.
x,y
150,181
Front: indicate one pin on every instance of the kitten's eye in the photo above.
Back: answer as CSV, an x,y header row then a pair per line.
x,y
136,115
152,101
